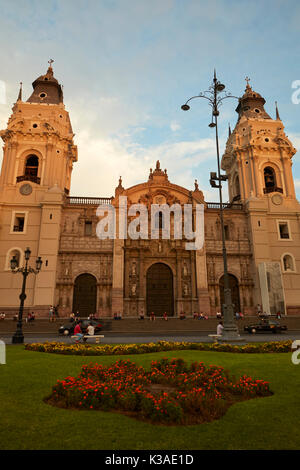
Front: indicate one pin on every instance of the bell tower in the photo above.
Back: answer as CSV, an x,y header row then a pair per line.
x,y
38,157
258,155
38,140
258,163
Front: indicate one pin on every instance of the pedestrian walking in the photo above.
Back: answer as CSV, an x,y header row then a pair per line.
x,y
51,313
220,328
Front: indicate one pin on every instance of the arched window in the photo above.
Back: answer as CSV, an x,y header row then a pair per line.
x,y
288,263
237,191
31,169
226,232
270,178
10,254
17,255
270,181
31,166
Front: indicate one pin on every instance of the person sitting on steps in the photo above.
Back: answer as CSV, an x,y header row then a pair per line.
x,y
152,316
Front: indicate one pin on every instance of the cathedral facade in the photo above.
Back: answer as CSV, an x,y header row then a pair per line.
x,y
82,272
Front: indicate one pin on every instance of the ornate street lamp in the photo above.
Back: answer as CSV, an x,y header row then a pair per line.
x,y
18,337
230,331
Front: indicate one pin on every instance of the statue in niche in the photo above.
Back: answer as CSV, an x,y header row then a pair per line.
x,y
184,270
288,264
104,270
133,268
133,290
211,271
245,271
185,289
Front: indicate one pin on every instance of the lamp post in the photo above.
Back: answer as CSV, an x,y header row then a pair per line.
x,y
230,330
18,337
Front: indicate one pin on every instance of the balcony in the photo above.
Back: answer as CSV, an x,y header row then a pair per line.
x,y
273,189
32,178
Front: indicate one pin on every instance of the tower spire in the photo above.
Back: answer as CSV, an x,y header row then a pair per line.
x,y
20,92
46,88
251,104
50,69
277,112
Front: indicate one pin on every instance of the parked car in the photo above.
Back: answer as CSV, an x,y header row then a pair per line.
x,y
265,325
68,328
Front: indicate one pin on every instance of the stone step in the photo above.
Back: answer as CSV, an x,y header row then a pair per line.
x,y
140,326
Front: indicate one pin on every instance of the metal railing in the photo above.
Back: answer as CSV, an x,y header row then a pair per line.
x,y
227,205
96,201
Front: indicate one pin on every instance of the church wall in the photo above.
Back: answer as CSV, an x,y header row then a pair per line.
x,y
239,257
80,253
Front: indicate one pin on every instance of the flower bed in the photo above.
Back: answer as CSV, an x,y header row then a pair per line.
x,y
170,393
123,349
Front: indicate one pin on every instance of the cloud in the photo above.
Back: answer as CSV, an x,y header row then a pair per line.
x,y
102,160
174,126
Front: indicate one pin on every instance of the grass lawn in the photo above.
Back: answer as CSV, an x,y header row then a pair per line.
x,y
28,423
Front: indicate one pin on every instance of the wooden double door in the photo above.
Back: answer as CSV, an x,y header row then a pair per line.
x,y
160,297
85,295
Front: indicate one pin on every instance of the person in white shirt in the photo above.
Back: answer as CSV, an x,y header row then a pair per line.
x,y
220,328
90,330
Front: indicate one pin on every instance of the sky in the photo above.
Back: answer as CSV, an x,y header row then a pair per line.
x,y
127,66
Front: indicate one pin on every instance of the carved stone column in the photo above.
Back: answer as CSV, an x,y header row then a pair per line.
x,y
201,282
142,289
118,277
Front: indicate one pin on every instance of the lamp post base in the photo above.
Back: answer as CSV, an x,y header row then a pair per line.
x,y
230,335
17,339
